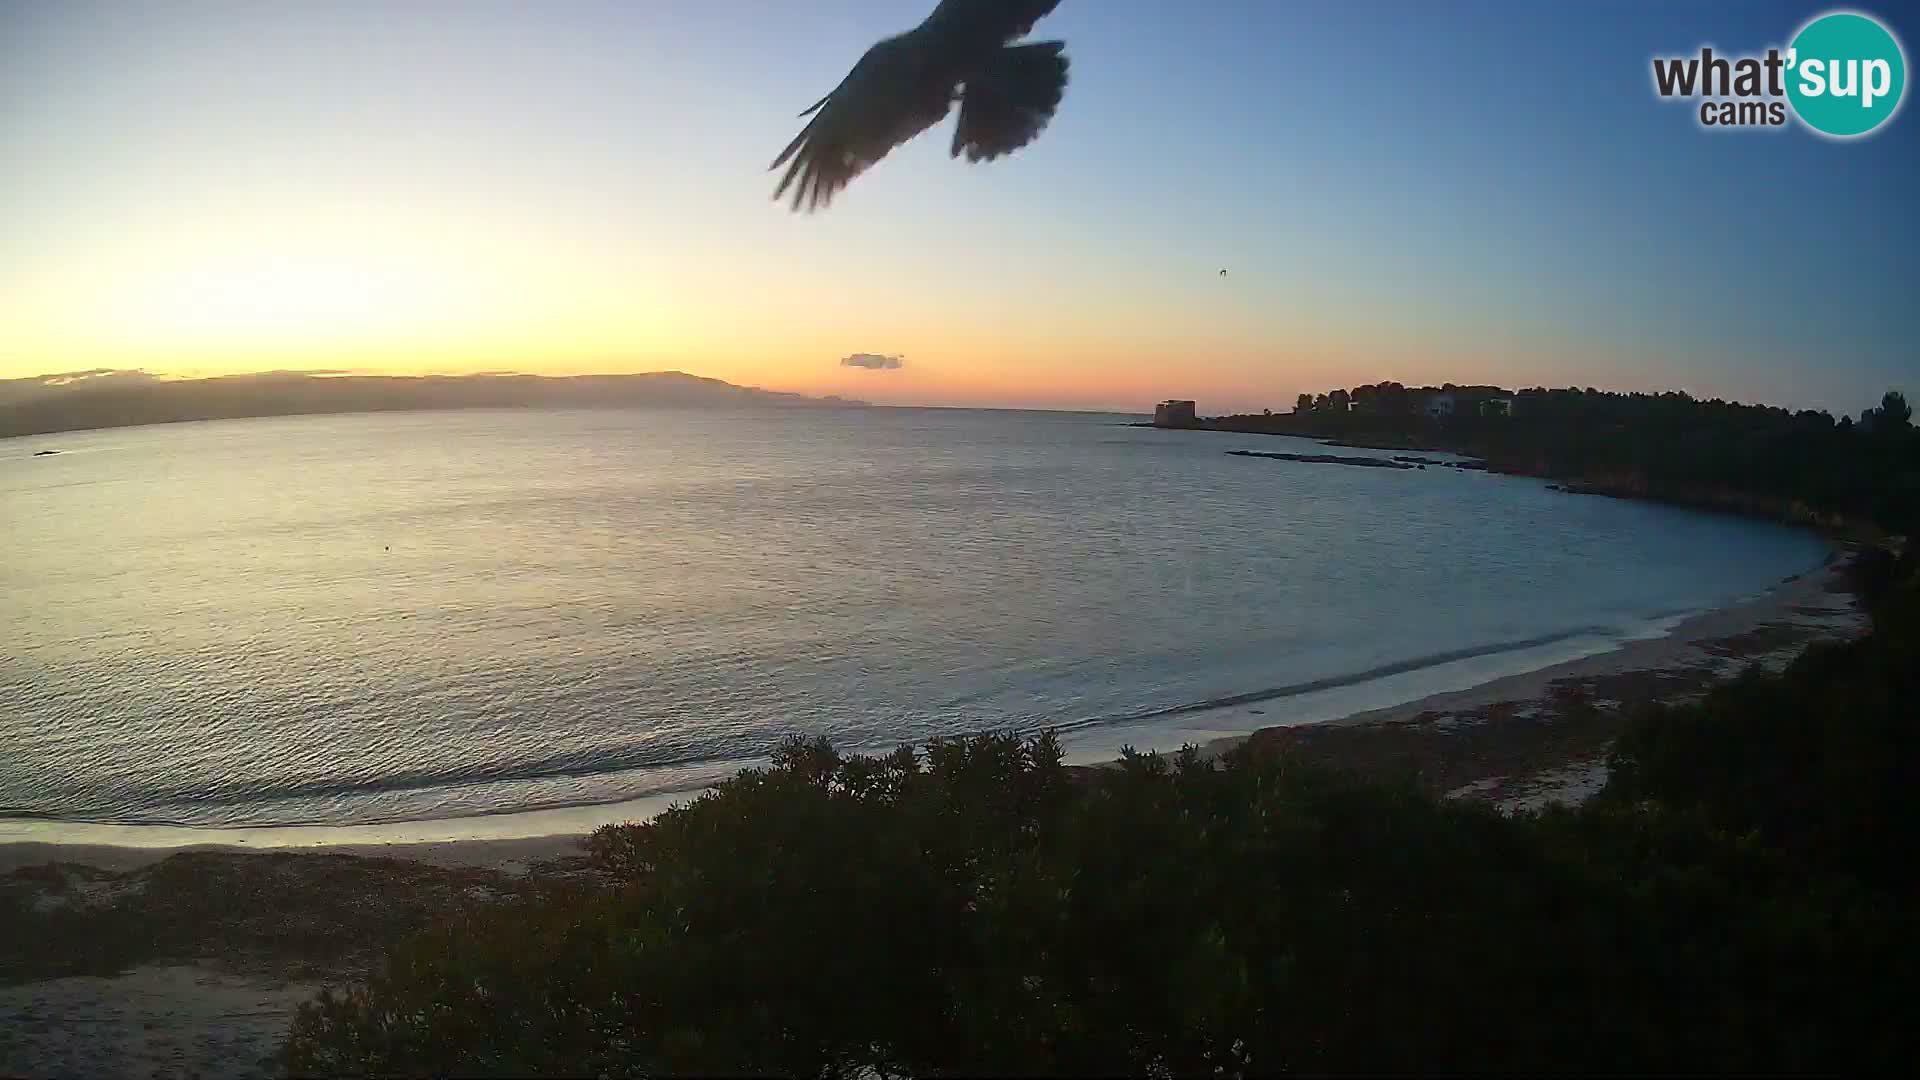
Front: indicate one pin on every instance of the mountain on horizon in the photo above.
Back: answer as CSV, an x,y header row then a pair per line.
x,y
105,398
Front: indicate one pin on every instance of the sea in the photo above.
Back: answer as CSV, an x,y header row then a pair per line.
x,y
490,616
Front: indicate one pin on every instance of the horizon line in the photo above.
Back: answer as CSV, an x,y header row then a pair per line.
x,y
64,379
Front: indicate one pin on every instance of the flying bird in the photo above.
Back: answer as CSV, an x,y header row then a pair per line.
x,y
963,53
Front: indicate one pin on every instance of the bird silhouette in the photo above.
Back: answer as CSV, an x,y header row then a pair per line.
x,y
904,85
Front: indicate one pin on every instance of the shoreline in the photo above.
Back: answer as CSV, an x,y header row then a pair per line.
x,y
1836,526
1678,664
1525,740
138,961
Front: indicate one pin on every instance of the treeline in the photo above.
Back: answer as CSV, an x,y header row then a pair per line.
x,y
1739,898
1803,466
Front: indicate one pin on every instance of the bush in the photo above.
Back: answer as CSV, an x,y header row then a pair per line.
x,y
1740,898
982,911
1821,762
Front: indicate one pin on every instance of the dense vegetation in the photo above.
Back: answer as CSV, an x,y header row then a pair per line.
x,y
1753,458
1739,898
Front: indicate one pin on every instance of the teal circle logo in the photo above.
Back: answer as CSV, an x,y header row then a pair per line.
x,y
1846,74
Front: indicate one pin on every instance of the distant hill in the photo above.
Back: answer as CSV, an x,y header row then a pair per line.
x,y
105,399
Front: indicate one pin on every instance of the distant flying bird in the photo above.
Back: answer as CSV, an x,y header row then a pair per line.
x,y
1223,273
906,84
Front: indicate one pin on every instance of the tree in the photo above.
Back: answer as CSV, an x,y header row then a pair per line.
x,y
1303,403
982,909
1895,414
1753,459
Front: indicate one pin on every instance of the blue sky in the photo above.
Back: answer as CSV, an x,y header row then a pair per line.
x,y
1476,192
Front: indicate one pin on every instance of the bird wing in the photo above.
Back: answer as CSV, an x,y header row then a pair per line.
x,y
1008,103
995,22
894,93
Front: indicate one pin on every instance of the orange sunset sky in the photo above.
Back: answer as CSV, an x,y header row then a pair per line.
x,y
581,187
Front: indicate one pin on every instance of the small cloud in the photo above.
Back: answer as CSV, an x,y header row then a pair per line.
x,y
875,361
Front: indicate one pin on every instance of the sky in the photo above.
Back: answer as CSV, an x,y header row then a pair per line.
x,y
1474,192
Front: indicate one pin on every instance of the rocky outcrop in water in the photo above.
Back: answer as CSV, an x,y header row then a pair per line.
x,y
1325,459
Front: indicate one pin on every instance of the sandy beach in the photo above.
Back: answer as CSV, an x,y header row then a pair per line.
x,y
1526,740
142,961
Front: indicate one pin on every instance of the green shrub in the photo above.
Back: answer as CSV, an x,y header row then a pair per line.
x,y
1739,899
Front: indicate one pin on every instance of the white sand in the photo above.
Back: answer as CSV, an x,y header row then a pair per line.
x,y
1800,610
1807,604
186,1020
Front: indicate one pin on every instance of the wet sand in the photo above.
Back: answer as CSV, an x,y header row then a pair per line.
x,y
137,961
1526,740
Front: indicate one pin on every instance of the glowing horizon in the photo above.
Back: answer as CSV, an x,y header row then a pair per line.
x,y
235,188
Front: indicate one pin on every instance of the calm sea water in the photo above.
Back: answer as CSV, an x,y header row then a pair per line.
x,y
398,617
